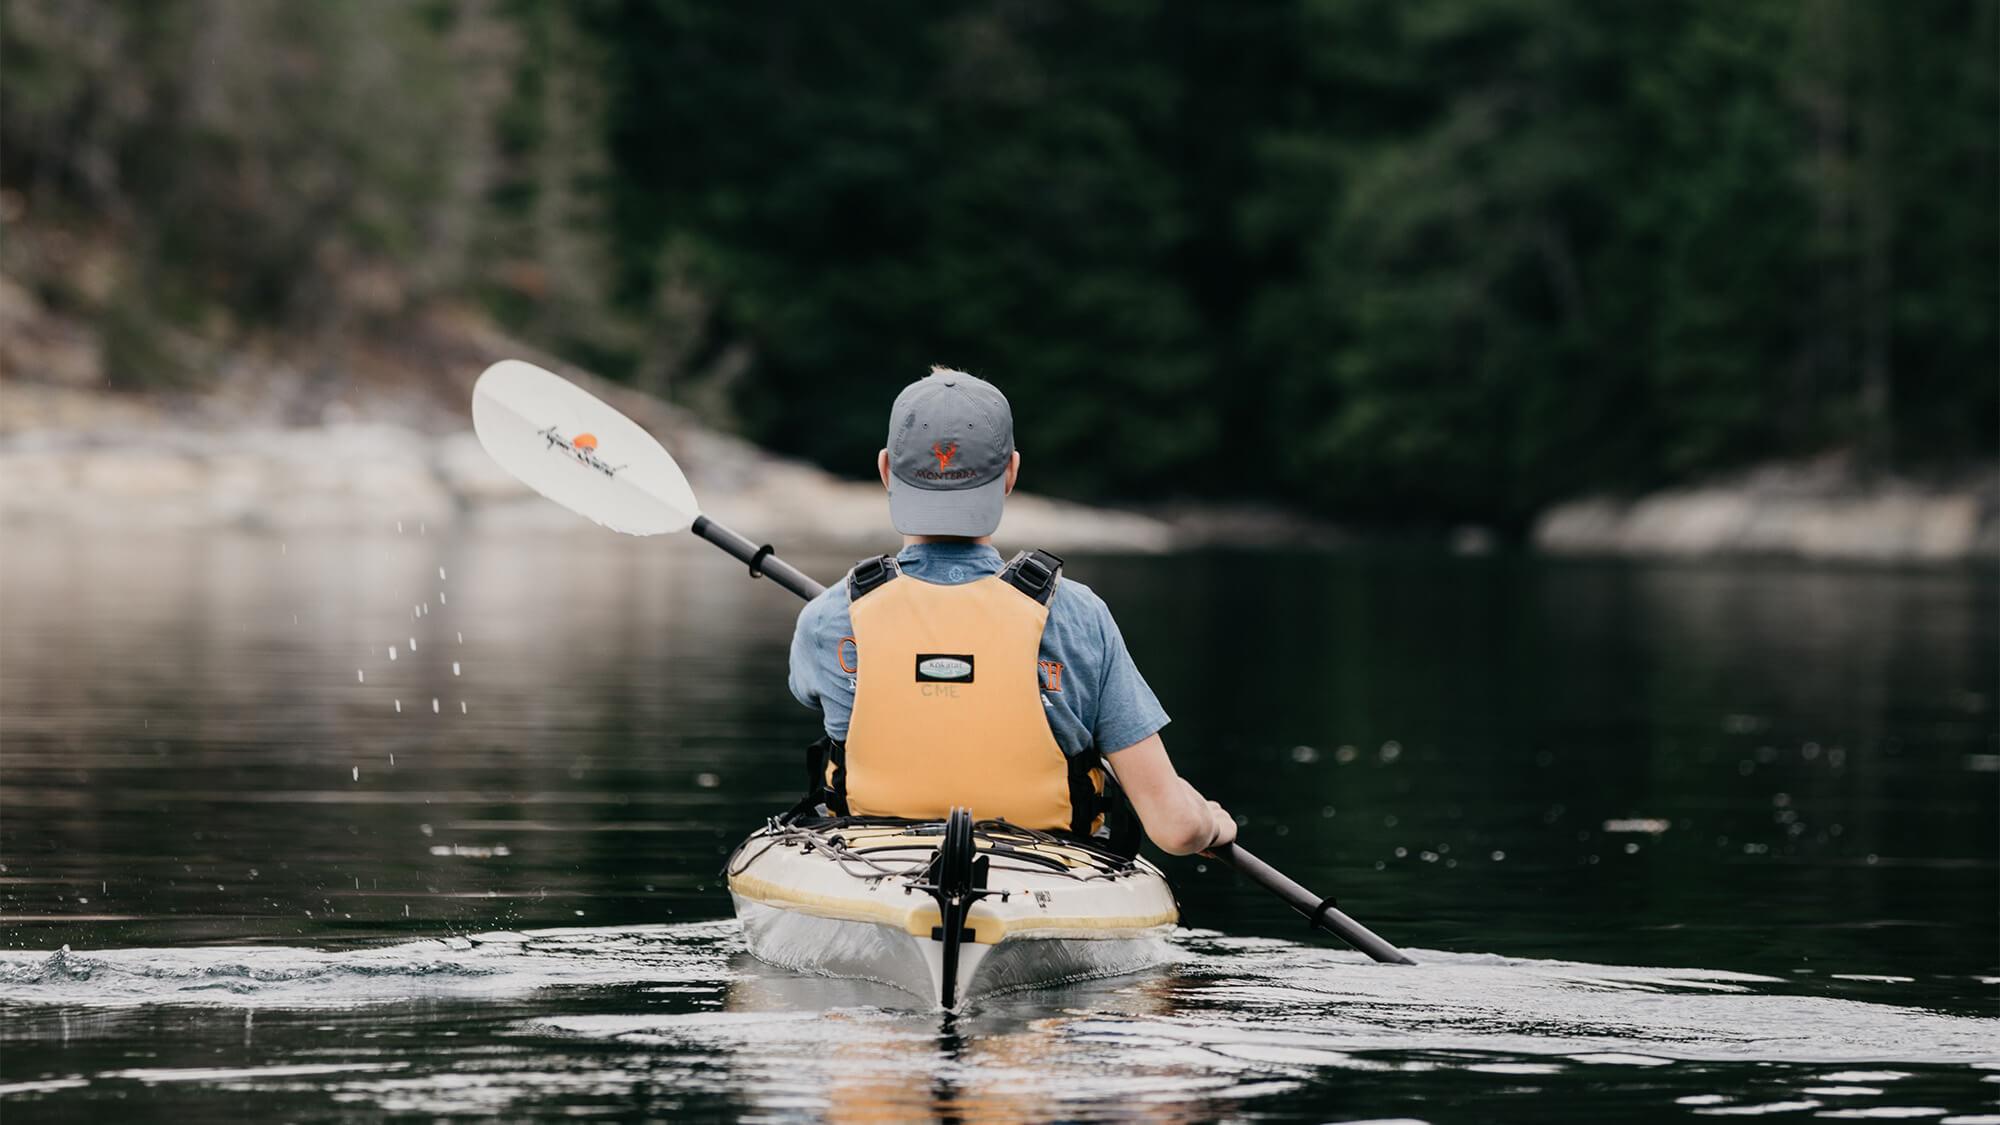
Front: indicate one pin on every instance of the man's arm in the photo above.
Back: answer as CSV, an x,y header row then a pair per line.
x,y
803,677
1177,817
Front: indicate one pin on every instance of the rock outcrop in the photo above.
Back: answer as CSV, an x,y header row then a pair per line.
x,y
381,434
1817,510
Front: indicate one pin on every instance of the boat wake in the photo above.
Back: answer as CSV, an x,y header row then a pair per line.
x,y
1230,1027
501,963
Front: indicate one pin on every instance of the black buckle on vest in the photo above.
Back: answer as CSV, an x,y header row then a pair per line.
x,y
869,574
1034,573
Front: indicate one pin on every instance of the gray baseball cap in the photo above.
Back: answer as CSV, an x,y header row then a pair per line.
x,y
950,438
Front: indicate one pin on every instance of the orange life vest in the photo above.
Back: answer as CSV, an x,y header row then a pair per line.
x,y
948,704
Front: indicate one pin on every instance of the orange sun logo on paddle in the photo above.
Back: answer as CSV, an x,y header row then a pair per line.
x,y
582,449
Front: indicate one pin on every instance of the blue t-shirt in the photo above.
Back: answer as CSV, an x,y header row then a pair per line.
x,y
1091,691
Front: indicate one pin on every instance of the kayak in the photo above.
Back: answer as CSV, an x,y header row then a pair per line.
x,y
946,910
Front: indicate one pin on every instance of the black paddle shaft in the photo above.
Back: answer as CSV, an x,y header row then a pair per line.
x,y
1320,912
758,556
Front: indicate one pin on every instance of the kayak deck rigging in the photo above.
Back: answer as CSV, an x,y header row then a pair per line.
x,y
847,838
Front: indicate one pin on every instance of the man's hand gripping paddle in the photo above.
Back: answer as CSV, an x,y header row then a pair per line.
x,y
572,447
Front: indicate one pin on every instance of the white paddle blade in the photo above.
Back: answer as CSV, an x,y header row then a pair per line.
x,y
572,447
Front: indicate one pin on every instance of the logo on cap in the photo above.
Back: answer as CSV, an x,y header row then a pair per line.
x,y
944,455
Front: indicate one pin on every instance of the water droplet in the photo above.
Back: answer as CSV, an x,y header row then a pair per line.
x,y
440,574
413,644
360,677
434,706
392,759
1498,856
399,527
461,706
454,668
392,652
357,773
399,707
461,638
707,780
423,529
284,548
441,600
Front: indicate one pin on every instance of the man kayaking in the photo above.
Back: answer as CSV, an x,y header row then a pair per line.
x,y
947,677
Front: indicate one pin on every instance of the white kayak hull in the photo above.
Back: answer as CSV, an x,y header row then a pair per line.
x,y
816,909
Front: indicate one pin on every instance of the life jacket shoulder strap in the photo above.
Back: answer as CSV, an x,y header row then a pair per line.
x,y
870,575
1034,573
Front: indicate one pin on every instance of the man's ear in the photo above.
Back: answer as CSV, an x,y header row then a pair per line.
x,y
882,467
1013,468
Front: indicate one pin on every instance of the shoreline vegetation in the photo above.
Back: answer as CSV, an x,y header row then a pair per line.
x,y
1414,271
377,429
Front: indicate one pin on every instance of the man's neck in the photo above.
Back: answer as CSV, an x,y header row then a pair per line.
x,y
981,541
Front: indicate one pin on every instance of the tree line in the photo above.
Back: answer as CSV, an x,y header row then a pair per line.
x,y
1427,261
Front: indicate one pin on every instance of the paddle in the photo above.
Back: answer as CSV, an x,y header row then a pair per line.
x,y
574,448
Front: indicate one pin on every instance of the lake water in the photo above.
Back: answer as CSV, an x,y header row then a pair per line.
x,y
1670,841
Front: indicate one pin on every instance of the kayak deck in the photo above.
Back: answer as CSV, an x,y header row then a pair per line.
x,y
851,898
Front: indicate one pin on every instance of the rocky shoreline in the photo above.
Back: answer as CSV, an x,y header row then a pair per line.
x,y
133,465
378,431
82,459
1821,510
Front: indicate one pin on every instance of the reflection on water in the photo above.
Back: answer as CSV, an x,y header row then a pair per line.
x,y
281,891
